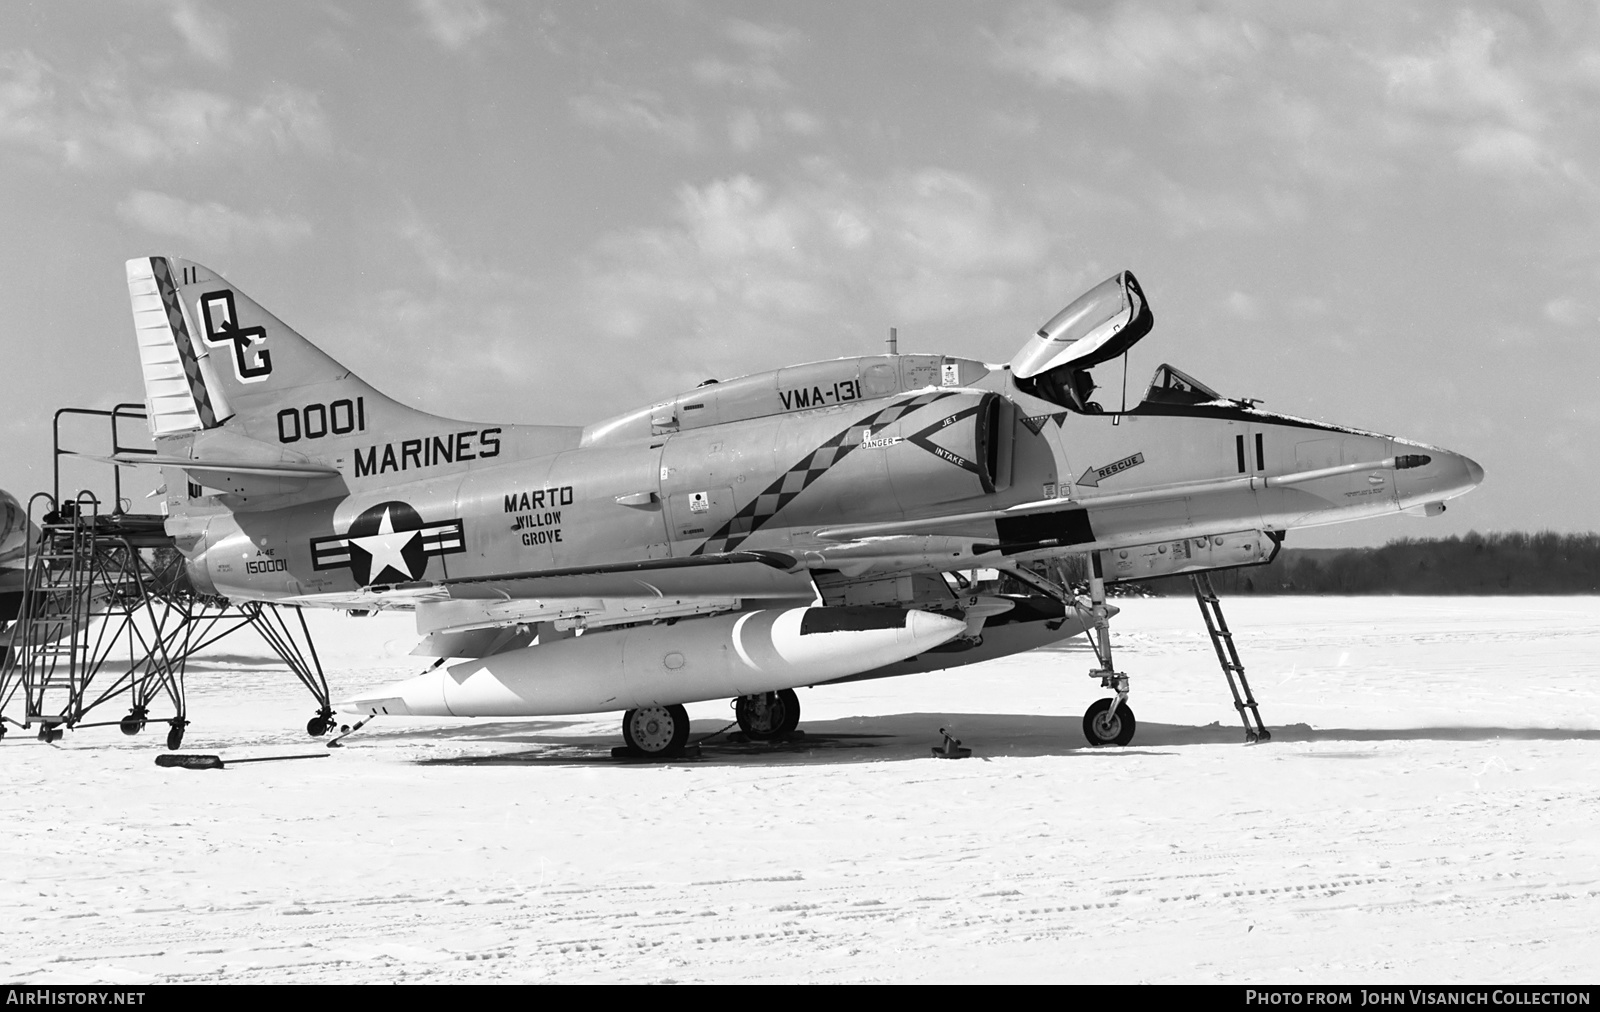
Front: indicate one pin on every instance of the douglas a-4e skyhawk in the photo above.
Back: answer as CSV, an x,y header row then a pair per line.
x,y
738,540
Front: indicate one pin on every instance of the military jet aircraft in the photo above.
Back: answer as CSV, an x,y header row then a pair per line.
x,y
739,540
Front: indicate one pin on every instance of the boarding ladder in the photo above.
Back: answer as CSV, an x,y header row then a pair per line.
x,y
1228,657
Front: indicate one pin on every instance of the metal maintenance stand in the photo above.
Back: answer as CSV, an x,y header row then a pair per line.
x,y
106,615
86,596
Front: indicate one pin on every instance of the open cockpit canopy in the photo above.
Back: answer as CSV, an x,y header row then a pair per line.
x,y
1099,325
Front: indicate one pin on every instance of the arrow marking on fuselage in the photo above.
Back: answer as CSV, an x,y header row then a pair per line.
x,y
1095,475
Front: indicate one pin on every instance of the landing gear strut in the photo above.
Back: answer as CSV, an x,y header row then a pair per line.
x,y
769,715
1107,721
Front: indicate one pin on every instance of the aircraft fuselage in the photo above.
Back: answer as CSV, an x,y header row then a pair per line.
x,y
766,462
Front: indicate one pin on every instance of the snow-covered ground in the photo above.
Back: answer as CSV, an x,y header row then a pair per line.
x,y
1429,811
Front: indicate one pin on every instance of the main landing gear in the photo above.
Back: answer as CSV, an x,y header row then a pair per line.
x,y
662,732
656,731
768,715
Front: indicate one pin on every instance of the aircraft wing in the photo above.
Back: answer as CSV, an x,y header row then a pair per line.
x,y
725,575
739,574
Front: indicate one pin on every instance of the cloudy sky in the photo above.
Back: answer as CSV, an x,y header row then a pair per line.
x,y
1381,214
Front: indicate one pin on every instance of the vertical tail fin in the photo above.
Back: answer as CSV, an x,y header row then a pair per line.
x,y
213,357
226,380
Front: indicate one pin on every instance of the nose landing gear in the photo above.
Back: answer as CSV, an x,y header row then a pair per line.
x,y
1107,721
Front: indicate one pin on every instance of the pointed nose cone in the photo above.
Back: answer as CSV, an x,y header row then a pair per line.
x,y
1474,471
1444,475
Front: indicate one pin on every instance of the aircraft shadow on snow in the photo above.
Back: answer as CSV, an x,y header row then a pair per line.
x,y
905,736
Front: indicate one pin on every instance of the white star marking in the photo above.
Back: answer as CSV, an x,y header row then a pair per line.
x,y
386,547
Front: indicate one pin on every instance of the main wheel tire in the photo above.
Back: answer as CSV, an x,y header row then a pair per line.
x,y
319,725
1103,728
133,723
769,715
175,736
656,730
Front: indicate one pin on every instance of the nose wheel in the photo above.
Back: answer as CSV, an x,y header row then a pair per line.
x,y
1103,725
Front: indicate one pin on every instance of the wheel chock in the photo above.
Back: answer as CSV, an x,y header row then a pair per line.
x,y
951,749
192,761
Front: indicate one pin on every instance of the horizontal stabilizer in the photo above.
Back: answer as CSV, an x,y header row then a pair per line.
x,y
239,477
283,470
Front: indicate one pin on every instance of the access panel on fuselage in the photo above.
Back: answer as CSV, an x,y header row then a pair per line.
x,y
564,511
749,481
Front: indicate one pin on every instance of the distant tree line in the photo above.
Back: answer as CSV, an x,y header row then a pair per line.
x,y
1512,563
